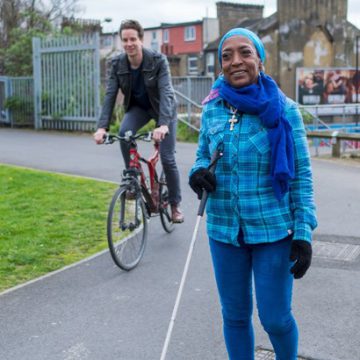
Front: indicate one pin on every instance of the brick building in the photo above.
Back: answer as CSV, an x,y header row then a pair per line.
x,y
183,44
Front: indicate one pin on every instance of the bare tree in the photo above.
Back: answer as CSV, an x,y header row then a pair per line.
x,y
9,19
26,14
21,19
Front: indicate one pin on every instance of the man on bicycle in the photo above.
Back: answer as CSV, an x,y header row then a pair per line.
x,y
143,76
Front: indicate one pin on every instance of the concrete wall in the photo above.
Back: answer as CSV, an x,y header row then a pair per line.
x,y
270,42
312,33
230,14
318,51
210,30
313,10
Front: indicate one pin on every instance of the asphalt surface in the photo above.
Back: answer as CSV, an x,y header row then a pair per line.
x,y
96,311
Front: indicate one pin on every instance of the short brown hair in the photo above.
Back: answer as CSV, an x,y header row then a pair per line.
x,y
132,24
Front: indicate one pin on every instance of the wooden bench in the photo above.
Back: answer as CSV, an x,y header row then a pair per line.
x,y
336,138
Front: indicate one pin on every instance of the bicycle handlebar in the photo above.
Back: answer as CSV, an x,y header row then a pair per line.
x,y
129,137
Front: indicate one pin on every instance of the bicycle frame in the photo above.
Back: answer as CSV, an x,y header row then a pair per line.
x,y
124,216
151,195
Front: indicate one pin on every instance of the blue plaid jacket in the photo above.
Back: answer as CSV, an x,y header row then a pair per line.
x,y
244,198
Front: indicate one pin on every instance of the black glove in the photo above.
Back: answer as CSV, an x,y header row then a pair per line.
x,y
300,252
202,179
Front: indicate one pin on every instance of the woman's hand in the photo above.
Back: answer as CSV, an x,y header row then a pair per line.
x,y
160,133
202,179
301,253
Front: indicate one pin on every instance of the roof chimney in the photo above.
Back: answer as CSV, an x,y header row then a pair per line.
x,y
230,14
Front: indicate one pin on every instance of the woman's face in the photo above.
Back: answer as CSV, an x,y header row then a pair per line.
x,y
240,62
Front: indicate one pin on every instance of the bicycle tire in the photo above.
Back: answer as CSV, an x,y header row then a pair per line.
x,y
127,229
164,206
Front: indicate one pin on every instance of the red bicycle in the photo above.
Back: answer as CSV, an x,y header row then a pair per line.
x,y
138,198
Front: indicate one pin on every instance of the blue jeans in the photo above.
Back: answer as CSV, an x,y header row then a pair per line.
x,y
270,265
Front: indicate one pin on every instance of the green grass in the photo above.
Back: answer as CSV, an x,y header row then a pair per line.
x,y
48,221
186,134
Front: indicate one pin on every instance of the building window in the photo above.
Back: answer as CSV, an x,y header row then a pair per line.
x,y
210,64
192,65
154,41
190,33
166,36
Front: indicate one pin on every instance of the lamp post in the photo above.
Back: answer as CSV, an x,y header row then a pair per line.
x,y
108,20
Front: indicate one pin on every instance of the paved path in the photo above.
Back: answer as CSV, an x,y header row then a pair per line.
x,y
95,311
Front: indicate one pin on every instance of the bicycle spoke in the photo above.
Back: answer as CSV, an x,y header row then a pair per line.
x,y
127,230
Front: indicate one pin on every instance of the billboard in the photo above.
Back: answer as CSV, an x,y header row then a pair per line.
x,y
329,89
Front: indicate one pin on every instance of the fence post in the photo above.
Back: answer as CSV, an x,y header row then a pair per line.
x,y
7,94
336,148
343,120
188,83
316,124
11,93
37,82
97,76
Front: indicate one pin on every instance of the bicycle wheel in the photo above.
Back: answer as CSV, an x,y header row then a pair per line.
x,y
127,228
164,207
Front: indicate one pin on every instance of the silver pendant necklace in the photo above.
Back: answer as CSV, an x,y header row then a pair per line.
x,y
233,119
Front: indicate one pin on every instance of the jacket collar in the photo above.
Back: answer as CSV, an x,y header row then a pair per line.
x,y
147,63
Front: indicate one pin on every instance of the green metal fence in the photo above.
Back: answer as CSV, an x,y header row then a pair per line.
x,y
67,82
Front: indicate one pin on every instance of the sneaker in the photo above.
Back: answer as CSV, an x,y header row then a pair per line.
x,y
176,214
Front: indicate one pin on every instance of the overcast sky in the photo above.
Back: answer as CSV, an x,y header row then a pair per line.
x,y
153,12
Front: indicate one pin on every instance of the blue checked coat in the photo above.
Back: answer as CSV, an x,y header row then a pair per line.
x,y
244,198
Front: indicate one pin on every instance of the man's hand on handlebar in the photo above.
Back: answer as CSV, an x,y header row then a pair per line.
x,y
160,132
99,135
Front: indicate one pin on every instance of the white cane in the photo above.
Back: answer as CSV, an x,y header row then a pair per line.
x,y
217,154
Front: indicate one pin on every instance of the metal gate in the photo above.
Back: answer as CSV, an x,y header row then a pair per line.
x,y
190,92
67,82
16,101
4,94
195,88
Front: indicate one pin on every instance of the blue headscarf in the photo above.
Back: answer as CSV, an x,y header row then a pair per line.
x,y
250,35
267,101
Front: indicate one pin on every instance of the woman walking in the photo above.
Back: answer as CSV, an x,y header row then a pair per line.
x,y
260,211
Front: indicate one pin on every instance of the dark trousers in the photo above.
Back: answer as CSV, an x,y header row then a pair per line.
x,y
136,118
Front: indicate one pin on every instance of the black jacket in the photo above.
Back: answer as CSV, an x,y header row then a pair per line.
x,y
155,69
